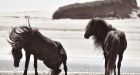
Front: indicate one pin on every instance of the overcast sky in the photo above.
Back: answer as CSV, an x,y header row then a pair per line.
x,y
36,5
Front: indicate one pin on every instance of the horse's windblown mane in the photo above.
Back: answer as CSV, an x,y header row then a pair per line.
x,y
17,33
101,28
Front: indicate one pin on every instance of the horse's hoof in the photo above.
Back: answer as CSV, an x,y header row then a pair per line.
x,y
36,73
25,74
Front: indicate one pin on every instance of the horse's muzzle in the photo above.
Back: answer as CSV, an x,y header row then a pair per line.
x,y
86,36
16,65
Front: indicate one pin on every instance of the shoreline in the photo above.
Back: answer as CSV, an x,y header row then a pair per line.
x,y
75,64
62,73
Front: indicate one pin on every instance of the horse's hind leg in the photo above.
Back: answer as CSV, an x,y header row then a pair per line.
x,y
114,69
55,71
106,61
119,62
35,65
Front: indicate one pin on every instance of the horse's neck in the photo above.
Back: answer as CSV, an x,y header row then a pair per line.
x,y
104,37
110,28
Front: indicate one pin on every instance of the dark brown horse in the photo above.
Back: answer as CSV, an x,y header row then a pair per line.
x,y
33,42
112,41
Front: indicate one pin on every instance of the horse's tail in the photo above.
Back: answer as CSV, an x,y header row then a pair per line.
x,y
111,65
65,66
64,60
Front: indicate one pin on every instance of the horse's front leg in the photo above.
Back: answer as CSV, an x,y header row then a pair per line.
x,y
35,65
26,63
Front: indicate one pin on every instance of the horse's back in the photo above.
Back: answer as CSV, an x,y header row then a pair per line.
x,y
45,49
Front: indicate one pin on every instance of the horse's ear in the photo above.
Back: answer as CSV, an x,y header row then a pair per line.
x,y
93,19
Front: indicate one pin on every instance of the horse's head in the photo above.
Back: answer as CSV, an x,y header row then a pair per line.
x,y
95,27
89,31
17,55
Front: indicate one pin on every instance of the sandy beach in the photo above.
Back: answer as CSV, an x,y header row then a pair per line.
x,y
82,55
